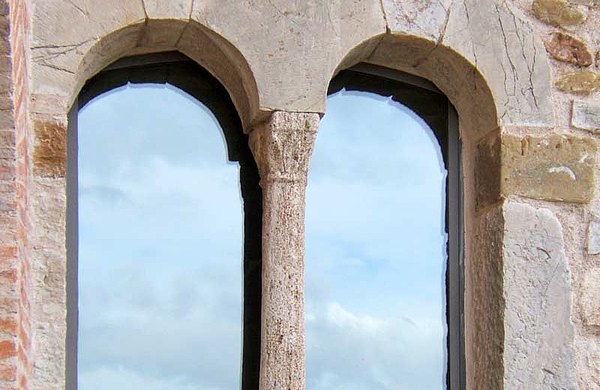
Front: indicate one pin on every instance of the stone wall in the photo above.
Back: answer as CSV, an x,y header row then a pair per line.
x,y
524,76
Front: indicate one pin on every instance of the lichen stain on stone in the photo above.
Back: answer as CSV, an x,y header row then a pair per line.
x,y
582,82
558,12
567,48
50,155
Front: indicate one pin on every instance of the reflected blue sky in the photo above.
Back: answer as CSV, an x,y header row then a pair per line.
x,y
161,247
375,249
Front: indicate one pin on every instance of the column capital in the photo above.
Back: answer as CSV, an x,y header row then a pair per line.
x,y
283,145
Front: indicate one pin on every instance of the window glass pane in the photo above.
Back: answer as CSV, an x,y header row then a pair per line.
x,y
376,249
160,248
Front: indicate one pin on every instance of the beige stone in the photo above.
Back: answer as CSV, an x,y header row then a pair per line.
x,y
539,332
590,297
319,33
422,18
586,115
509,55
567,48
172,9
62,32
558,167
583,82
558,12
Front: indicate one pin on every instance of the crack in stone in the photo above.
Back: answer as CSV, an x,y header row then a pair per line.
x,y
283,13
511,63
442,35
55,51
78,8
388,30
191,10
144,8
56,67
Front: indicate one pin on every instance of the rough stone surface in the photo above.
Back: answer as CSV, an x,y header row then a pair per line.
x,y
282,148
425,18
172,9
539,333
50,155
57,51
485,303
559,167
510,56
583,82
567,48
320,33
558,12
586,115
590,297
488,165
593,238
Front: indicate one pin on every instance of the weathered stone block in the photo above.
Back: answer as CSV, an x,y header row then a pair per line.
x,y
558,12
567,48
539,333
487,171
586,116
590,297
593,239
558,167
423,18
50,155
583,82
509,55
172,9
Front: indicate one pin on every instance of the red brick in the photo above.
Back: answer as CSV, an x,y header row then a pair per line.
x,y
7,349
8,325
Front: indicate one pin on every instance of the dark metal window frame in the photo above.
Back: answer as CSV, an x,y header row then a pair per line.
x,y
427,101
177,70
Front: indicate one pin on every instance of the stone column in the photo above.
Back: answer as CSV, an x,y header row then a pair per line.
x,y
282,148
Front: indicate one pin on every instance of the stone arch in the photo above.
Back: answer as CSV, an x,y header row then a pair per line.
x,y
493,69
61,67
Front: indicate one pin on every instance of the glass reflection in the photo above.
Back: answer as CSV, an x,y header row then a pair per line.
x,y
160,227
376,250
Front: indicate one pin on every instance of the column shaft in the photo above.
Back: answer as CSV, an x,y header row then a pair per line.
x,y
282,147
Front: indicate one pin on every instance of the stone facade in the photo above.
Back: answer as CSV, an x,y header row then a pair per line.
x,y
524,77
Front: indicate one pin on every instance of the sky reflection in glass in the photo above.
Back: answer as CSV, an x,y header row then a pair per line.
x,y
160,262
161,247
375,250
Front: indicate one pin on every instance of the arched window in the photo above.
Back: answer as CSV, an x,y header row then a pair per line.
x,y
165,253
383,261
